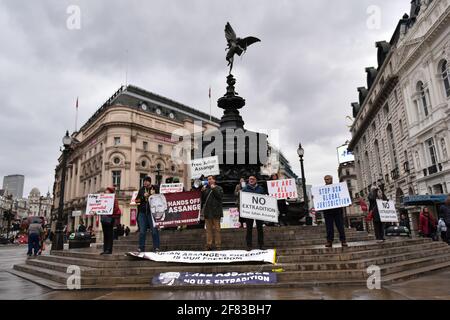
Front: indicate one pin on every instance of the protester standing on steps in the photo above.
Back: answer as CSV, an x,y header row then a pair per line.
x,y
212,196
427,224
254,187
237,193
282,206
378,226
145,216
442,229
332,217
444,212
108,223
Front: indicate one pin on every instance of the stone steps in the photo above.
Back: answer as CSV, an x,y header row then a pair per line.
x,y
301,255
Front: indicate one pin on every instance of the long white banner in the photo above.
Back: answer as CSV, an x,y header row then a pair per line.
x,y
226,256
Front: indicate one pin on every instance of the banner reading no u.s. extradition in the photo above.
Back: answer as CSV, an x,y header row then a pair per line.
x,y
331,196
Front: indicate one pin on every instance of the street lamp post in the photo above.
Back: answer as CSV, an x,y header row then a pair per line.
x,y
301,152
58,240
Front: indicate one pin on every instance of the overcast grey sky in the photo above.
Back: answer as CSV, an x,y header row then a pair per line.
x,y
300,79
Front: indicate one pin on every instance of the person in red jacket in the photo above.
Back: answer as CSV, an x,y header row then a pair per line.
x,y
108,223
427,224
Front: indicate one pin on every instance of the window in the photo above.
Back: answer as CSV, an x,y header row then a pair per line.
x,y
400,125
116,141
377,152
395,96
391,144
374,127
422,98
386,110
432,151
116,160
143,163
445,78
347,172
116,179
145,145
160,148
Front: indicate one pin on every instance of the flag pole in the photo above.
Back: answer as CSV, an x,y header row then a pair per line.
x,y
210,116
76,116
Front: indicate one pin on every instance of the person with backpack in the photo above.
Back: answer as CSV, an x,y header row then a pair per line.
x,y
442,229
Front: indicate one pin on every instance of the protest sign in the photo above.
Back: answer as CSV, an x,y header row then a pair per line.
x,y
226,256
100,204
171,188
205,166
176,209
331,196
387,211
230,219
76,213
282,189
259,207
133,198
191,278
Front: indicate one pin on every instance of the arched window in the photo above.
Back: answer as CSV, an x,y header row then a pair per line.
x,y
445,77
422,98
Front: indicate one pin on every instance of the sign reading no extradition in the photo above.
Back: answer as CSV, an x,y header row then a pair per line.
x,y
331,196
387,211
282,189
100,204
206,167
258,207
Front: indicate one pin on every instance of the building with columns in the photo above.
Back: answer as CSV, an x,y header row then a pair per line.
x,y
127,139
401,127
39,205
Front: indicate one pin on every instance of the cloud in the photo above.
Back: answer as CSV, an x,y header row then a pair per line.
x,y
300,79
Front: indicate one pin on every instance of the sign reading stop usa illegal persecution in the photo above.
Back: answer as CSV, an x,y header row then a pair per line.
x,y
205,166
258,207
282,189
331,196
387,211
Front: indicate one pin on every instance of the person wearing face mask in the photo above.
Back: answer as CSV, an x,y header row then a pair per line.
x,y
145,218
254,187
237,193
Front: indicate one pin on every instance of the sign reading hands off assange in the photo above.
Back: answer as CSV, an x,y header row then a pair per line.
x,y
331,196
205,166
258,207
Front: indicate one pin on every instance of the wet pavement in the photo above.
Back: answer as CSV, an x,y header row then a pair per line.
x,y
435,286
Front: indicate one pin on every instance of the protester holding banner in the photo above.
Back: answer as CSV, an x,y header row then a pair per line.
x,y
282,206
237,191
378,226
334,216
254,187
145,218
212,195
108,223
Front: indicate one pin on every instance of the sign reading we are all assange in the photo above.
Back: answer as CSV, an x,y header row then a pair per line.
x,y
331,196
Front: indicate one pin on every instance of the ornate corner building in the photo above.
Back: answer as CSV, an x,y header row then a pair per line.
x,y
401,128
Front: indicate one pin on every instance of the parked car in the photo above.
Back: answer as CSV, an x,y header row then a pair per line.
x,y
398,231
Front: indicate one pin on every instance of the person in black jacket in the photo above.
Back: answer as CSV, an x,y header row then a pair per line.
x,y
282,206
212,195
378,226
334,216
145,217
